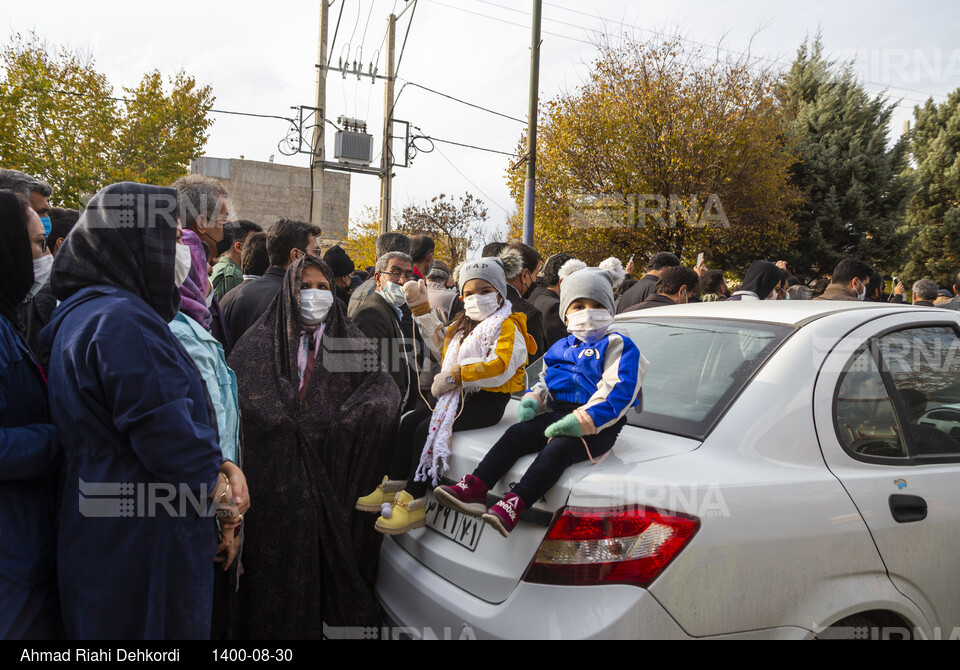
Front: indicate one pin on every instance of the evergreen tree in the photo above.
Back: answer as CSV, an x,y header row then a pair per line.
x,y
855,185
933,218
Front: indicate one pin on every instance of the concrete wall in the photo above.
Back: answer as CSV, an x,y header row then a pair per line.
x,y
264,192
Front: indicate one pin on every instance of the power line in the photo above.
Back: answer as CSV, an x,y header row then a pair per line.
x,y
77,94
704,45
464,102
512,23
469,146
470,181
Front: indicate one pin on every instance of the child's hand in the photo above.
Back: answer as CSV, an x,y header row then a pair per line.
x,y
567,426
528,409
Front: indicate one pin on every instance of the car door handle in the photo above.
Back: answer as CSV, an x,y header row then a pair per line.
x,y
908,509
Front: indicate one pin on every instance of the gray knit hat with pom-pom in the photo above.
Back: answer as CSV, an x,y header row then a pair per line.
x,y
593,283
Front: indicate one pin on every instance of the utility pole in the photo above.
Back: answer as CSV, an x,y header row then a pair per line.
x,y
386,156
317,153
530,185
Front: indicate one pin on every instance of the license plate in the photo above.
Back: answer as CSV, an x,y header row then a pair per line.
x,y
461,528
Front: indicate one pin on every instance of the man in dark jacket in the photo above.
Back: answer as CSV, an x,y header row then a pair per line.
x,y
342,268
380,317
646,286
287,240
546,298
385,244
675,287
519,281
953,303
924,292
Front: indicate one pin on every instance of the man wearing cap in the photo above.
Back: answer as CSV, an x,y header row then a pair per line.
x,y
342,268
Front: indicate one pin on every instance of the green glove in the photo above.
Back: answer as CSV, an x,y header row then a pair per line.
x,y
568,426
528,409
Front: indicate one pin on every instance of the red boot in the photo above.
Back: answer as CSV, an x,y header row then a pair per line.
x,y
469,496
505,515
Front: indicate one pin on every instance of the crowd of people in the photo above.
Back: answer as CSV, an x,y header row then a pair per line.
x,y
206,428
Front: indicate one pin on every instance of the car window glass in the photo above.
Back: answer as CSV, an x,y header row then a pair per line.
x,y
865,416
924,364
697,368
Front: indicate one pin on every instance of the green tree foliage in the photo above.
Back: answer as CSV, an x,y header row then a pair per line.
x,y
855,186
933,218
60,121
655,152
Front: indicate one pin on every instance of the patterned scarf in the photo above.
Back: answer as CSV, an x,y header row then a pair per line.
x,y
193,291
477,345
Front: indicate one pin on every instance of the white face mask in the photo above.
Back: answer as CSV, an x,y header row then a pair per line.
x,y
479,307
182,264
393,293
41,273
589,325
863,294
315,304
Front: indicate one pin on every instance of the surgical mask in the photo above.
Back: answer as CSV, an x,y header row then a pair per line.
x,y
589,325
41,273
862,295
394,294
47,226
315,304
479,307
182,264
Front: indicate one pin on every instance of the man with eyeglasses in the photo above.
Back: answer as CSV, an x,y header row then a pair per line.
x,y
381,317
287,241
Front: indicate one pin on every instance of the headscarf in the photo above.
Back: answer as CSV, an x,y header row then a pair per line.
x,y
126,238
193,291
308,458
761,278
16,257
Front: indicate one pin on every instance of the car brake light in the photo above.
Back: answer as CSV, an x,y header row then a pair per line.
x,y
621,545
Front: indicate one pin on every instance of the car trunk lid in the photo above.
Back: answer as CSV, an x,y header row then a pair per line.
x,y
476,558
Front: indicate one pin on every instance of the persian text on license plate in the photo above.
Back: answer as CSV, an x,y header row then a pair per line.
x,y
461,528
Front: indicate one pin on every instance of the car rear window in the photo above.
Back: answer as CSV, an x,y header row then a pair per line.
x,y
697,368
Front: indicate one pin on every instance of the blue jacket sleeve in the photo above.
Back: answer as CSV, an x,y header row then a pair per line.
x,y
147,382
26,451
624,368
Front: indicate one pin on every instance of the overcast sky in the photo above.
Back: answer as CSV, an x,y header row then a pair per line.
x,y
259,58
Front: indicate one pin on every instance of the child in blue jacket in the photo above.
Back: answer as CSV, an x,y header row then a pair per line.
x,y
574,413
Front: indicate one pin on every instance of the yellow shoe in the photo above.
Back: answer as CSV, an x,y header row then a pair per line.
x,y
406,514
386,492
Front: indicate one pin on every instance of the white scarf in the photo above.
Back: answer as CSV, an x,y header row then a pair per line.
x,y
476,345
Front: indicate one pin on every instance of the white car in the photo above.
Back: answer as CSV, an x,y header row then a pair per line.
x,y
789,477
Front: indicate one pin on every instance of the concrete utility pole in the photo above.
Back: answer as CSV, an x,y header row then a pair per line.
x,y
530,185
317,153
386,156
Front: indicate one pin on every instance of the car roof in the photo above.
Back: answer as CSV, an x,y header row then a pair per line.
x,y
786,312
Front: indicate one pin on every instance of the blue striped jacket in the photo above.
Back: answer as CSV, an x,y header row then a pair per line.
x,y
604,378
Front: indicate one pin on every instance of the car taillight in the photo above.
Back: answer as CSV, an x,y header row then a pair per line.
x,y
626,545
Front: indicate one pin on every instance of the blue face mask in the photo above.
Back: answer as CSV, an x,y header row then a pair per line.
x,y
45,220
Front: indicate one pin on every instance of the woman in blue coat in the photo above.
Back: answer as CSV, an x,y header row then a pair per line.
x,y
141,451
28,454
